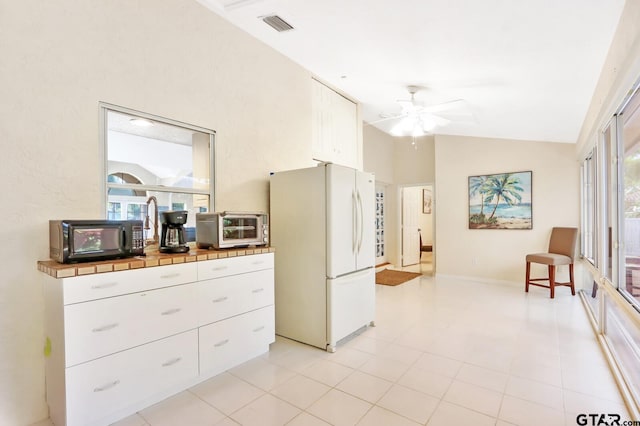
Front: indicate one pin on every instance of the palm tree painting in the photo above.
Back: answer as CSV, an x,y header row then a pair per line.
x,y
500,201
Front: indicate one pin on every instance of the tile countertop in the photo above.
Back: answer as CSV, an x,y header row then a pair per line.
x,y
152,258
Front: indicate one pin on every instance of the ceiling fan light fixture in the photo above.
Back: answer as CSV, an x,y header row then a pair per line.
x,y
411,126
417,131
408,125
398,129
416,119
428,124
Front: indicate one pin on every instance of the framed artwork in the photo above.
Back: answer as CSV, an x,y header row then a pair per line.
x,y
500,201
426,200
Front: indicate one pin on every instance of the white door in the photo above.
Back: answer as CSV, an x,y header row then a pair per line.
x,y
365,220
342,215
411,204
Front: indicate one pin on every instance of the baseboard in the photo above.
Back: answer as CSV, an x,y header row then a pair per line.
x,y
383,266
481,280
515,284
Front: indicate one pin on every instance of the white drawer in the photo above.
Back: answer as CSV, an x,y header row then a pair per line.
x,y
227,343
220,344
108,284
222,298
259,327
104,386
102,327
234,265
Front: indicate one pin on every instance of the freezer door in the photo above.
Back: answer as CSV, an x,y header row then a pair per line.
x,y
365,208
342,215
350,304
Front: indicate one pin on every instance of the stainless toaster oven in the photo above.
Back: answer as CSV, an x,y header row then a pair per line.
x,y
231,229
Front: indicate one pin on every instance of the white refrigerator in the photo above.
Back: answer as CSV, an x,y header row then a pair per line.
x,y
322,226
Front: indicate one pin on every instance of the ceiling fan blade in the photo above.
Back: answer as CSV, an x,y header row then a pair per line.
x,y
411,107
391,117
438,120
415,115
459,116
446,106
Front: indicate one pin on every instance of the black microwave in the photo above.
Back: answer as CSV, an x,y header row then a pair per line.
x,y
73,241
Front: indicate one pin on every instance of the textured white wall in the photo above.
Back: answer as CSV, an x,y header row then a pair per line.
x,y
378,154
499,254
414,163
172,58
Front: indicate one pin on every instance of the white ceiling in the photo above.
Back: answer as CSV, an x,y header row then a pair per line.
x,y
527,69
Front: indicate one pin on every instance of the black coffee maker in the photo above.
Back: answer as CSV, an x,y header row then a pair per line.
x,y
172,239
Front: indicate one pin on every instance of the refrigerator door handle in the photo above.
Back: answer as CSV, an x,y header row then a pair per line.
x,y
349,278
360,222
354,222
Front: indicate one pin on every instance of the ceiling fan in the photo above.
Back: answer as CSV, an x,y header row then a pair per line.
x,y
415,119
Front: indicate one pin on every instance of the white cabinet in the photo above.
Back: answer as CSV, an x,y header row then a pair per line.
x,y
234,265
235,340
227,296
235,312
106,326
99,286
336,137
120,341
97,388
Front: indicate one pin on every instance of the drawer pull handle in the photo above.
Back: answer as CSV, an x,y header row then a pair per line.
x,y
105,327
255,330
219,268
170,276
107,386
257,290
171,311
258,262
172,362
104,285
222,343
220,299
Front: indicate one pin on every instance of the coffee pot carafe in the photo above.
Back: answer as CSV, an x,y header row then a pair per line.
x,y
173,235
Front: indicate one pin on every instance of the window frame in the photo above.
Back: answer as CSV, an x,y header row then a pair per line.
x,y
103,122
609,202
589,246
621,279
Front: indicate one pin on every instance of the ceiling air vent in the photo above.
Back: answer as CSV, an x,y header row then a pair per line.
x,y
277,23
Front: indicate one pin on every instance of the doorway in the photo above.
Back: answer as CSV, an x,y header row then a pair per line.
x,y
417,224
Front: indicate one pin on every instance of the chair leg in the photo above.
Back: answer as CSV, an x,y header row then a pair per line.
x,y
573,288
526,280
552,280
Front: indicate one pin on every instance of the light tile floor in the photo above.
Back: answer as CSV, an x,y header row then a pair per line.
x,y
445,352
